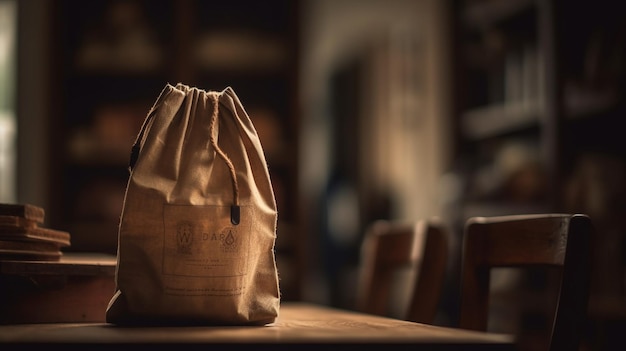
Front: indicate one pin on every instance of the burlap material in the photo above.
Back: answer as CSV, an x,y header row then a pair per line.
x,y
198,226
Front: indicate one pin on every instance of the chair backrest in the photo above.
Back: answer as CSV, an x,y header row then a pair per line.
x,y
534,240
389,247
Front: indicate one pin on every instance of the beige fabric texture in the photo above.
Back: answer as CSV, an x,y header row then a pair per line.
x,y
181,259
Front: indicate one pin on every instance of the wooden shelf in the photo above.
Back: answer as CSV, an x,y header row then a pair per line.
x,y
485,13
87,264
499,119
580,102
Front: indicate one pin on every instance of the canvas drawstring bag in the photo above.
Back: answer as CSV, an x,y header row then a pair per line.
x,y
198,225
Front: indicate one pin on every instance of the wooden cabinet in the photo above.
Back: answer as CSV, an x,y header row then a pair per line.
x,y
111,59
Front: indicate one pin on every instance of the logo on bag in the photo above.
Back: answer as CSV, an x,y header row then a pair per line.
x,y
227,239
229,242
184,237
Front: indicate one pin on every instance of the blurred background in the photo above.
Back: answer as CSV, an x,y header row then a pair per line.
x,y
366,109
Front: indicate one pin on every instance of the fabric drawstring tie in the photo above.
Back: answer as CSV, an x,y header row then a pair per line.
x,y
234,208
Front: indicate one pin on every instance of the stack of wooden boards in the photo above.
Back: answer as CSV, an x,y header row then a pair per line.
x,y
23,238
39,283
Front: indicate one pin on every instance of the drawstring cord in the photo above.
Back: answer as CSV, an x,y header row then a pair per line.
x,y
234,209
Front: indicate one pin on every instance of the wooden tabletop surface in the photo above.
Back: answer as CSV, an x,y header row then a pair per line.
x,y
298,323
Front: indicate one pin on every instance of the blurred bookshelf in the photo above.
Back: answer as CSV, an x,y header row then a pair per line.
x,y
111,59
539,91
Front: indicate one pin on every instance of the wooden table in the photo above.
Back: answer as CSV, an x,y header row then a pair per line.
x,y
300,325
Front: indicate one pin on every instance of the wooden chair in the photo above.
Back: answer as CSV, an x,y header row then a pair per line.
x,y
389,247
537,240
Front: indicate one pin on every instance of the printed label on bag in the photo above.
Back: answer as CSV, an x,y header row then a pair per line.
x,y
200,241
